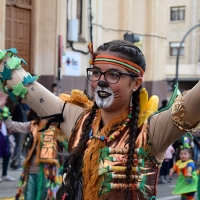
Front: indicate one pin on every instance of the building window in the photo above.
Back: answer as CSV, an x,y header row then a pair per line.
x,y
79,16
174,46
177,13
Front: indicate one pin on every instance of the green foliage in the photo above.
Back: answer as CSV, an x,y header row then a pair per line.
x,y
4,113
12,96
2,54
6,74
14,63
29,79
19,90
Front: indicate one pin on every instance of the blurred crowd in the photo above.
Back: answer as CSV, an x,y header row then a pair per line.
x,y
11,142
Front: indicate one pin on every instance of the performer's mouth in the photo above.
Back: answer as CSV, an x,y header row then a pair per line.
x,y
103,94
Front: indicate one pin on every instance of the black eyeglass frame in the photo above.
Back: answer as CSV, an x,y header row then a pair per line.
x,y
103,73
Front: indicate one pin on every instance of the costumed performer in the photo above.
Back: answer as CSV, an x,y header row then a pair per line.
x,y
42,167
120,150
186,184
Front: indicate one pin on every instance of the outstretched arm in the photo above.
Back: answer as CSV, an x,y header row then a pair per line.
x,y
20,84
163,131
20,127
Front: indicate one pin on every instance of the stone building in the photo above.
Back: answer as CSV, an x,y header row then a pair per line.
x,y
182,16
53,33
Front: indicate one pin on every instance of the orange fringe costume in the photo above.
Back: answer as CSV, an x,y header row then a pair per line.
x,y
104,167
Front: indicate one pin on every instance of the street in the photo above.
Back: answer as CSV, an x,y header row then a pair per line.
x,y
8,189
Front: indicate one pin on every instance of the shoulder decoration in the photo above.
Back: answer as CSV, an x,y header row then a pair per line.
x,y
11,62
77,97
178,111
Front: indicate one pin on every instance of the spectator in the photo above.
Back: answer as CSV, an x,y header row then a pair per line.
x,y
4,140
164,104
164,171
19,114
54,89
196,148
186,185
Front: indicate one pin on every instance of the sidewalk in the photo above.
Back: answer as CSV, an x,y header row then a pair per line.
x,y
8,189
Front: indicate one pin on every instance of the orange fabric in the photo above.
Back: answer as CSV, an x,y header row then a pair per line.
x,y
91,166
178,170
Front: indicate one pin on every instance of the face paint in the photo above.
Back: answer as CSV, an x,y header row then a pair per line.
x,y
103,96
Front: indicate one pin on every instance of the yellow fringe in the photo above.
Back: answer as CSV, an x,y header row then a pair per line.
x,y
91,157
77,97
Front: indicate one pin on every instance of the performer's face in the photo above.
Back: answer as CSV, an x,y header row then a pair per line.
x,y
184,155
110,96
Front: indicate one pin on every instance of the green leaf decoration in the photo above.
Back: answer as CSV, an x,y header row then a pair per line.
x,y
12,50
23,61
2,54
6,109
14,63
12,96
9,54
4,113
1,86
6,74
19,90
29,79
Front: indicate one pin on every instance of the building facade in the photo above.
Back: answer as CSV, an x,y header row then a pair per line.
x,y
182,17
52,34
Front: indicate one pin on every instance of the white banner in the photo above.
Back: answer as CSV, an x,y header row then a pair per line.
x,y
72,63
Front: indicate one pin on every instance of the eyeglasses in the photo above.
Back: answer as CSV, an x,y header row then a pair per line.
x,y
111,76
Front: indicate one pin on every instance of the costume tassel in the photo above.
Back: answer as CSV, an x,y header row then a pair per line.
x,y
142,163
104,152
142,152
108,178
40,182
106,188
142,185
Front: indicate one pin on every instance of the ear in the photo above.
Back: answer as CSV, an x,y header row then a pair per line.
x,y
136,83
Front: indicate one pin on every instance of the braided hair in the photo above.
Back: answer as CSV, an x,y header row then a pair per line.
x,y
128,51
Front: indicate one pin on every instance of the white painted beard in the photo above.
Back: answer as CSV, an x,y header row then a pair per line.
x,y
103,97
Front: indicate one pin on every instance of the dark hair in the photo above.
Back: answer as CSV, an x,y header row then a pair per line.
x,y
125,50
128,51
53,85
164,102
189,150
32,115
